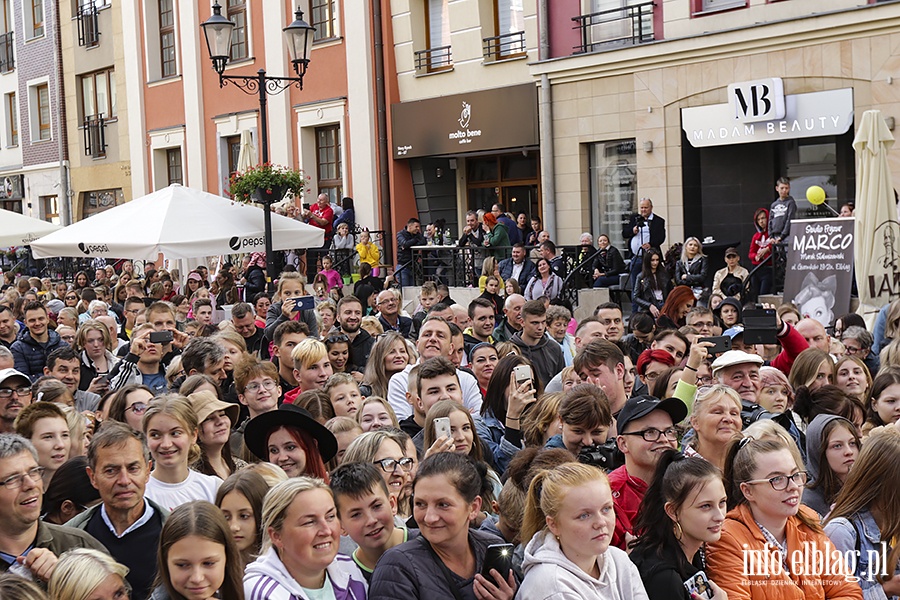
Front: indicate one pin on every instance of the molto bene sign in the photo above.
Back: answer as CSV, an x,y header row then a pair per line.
x,y
486,120
753,114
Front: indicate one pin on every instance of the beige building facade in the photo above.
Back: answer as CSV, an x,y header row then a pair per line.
x,y
658,119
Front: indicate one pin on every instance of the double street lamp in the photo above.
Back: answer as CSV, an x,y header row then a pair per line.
x,y
299,38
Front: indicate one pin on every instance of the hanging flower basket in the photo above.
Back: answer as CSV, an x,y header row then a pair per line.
x,y
268,183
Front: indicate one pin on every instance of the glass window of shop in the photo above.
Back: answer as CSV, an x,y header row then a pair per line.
x,y
508,178
613,187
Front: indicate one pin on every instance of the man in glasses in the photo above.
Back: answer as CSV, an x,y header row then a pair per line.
x,y
126,522
9,328
389,314
29,546
646,429
15,394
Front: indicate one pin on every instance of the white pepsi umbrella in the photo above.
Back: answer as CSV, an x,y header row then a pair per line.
x,y
178,222
19,230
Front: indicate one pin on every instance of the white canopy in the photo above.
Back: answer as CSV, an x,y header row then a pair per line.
x,y
178,222
18,230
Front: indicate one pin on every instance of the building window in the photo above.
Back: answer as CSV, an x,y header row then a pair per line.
x,y
509,31
323,15
174,173
613,187
437,56
702,6
328,161
98,201
37,18
6,22
51,208
12,120
42,97
98,94
167,37
237,13
232,152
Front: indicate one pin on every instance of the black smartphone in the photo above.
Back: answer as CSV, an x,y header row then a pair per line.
x,y
161,337
305,206
699,584
760,326
721,343
304,303
499,557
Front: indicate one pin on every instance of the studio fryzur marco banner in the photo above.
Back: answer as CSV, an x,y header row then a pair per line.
x,y
819,267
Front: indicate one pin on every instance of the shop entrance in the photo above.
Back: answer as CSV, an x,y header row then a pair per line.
x,y
724,185
512,179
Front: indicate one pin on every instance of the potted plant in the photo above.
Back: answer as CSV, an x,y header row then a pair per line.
x,y
267,183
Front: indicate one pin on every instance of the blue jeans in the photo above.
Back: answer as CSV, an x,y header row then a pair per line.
x,y
406,275
606,281
636,266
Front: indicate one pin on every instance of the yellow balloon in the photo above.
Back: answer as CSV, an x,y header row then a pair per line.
x,y
815,195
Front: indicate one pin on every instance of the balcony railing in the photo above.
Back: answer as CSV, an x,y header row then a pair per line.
x,y
7,54
432,60
508,45
88,26
95,136
625,26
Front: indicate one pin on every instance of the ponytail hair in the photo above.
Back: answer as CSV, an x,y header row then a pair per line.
x,y
547,490
676,479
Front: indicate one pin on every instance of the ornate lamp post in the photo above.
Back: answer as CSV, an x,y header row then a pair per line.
x,y
299,39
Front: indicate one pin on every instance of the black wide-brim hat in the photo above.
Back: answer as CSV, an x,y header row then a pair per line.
x,y
256,434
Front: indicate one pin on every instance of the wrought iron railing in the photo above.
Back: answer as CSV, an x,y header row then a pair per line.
x,y
432,60
625,26
508,45
95,136
88,26
7,52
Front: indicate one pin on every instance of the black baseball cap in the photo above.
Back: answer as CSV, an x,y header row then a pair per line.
x,y
641,406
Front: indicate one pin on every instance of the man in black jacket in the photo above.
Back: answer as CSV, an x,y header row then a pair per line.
x,y
518,267
406,239
644,230
349,319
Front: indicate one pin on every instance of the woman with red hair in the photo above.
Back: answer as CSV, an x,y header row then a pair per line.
x,y
678,304
651,363
495,235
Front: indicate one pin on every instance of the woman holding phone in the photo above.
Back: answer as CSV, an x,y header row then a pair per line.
x,y
447,559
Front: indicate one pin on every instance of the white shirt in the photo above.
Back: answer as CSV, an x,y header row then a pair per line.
x,y
400,382
641,237
517,270
197,486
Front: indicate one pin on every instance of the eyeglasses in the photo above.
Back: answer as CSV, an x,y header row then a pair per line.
x,y
268,384
389,464
387,301
652,435
652,375
779,483
6,393
851,349
137,408
71,297
14,482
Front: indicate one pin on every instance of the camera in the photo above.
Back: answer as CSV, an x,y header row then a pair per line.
x,y
603,456
640,221
751,413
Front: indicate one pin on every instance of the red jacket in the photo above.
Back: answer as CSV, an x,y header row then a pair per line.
x,y
761,239
627,493
792,344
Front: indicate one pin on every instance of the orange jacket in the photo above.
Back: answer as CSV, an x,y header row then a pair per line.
x,y
728,563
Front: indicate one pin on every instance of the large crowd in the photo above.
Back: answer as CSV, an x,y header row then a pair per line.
x,y
195,438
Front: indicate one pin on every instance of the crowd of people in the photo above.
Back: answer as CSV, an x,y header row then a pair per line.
x,y
154,446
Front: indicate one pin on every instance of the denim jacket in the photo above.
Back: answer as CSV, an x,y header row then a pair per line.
x,y
492,433
845,535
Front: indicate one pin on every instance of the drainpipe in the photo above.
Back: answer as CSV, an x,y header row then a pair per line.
x,y
545,116
384,156
65,206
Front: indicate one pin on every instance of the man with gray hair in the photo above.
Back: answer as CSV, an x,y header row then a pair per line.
x,y
244,321
511,323
205,356
126,522
28,546
859,342
6,358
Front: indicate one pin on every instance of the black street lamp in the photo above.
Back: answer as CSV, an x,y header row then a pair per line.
x,y
299,37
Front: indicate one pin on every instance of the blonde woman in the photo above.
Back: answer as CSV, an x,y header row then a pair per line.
x,y
570,520
716,418
85,574
490,268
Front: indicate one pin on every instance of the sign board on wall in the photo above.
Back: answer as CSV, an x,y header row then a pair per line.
x,y
476,121
760,100
819,267
805,115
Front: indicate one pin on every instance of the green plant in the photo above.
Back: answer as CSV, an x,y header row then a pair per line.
x,y
268,177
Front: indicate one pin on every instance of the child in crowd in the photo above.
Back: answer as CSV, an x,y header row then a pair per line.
x,y
343,391
366,510
333,277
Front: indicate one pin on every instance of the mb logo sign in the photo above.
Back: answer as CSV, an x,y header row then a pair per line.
x,y
756,101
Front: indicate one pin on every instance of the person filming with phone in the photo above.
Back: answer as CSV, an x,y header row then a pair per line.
x,y
143,363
